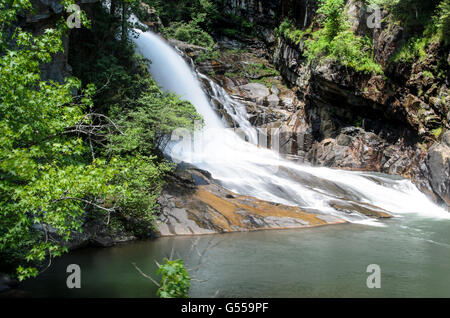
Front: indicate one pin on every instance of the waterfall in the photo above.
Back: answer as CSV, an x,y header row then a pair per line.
x,y
247,169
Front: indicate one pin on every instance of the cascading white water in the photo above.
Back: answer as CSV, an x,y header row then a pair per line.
x,y
248,169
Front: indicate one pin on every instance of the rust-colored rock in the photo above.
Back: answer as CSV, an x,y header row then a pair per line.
x,y
190,209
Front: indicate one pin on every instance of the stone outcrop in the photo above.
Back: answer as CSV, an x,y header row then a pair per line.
x,y
7,283
394,126
438,162
150,17
193,204
46,14
96,233
261,12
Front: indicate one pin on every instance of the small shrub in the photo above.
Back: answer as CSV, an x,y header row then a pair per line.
x,y
210,54
289,31
428,74
334,20
175,281
414,48
190,33
437,132
259,70
334,40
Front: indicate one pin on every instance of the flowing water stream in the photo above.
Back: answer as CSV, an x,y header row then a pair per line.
x,y
412,249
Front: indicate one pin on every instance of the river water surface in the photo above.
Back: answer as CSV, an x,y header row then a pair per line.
x,y
331,261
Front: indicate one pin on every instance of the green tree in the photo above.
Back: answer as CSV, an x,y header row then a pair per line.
x,y
46,174
333,16
55,167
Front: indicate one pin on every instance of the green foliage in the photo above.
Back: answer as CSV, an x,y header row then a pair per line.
x,y
414,48
51,176
203,13
144,115
230,32
442,21
333,17
141,179
335,42
191,21
284,26
347,48
414,15
437,132
259,70
425,22
257,73
98,57
267,81
233,25
428,74
46,176
190,33
8,14
175,282
193,34
211,54
436,29
289,31
150,120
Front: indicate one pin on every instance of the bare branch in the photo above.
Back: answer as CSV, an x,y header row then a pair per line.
x,y
202,253
145,275
85,201
171,253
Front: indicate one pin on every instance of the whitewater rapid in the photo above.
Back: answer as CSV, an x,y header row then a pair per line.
x,y
247,169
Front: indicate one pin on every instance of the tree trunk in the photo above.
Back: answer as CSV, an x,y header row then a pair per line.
x,y
124,21
112,9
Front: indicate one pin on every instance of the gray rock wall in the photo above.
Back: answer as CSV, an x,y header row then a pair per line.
x,y
438,162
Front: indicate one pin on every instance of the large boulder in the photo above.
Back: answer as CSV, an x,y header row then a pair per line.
x,y
255,91
438,162
193,204
7,283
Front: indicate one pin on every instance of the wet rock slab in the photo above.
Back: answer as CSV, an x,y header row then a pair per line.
x,y
192,209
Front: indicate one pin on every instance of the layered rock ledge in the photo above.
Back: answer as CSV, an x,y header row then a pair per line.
x,y
193,204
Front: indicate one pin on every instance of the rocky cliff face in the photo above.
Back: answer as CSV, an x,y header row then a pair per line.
x,y
261,12
393,123
438,165
47,13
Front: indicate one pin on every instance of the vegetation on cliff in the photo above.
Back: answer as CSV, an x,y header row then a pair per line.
x,y
198,22
334,40
425,22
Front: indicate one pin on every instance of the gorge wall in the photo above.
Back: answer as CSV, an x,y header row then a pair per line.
x,y
393,123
